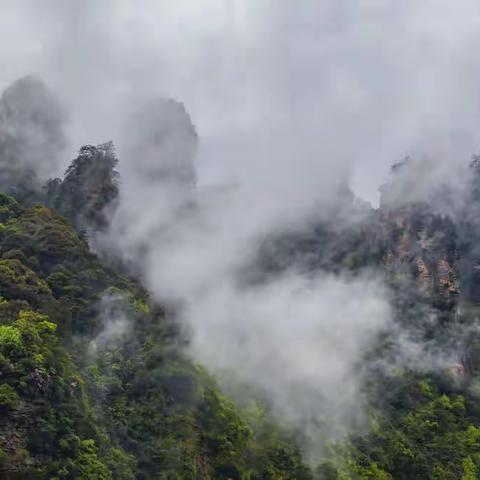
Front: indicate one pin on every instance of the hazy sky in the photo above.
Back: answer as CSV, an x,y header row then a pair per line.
x,y
308,87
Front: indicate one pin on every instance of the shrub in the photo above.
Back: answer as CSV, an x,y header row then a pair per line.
x,y
10,339
8,397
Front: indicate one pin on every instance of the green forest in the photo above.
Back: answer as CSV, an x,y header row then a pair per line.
x,y
76,403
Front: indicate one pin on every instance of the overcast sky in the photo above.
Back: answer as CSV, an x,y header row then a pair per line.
x,y
295,89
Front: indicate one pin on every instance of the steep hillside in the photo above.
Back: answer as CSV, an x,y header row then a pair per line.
x,y
92,384
421,378
95,379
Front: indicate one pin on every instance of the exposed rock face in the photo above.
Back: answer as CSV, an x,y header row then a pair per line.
x,y
31,132
415,245
421,246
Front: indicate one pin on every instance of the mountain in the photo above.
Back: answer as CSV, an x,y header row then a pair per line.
x,y
95,381
421,381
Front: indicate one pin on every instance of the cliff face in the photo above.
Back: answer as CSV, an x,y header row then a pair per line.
x,y
423,377
421,247
411,244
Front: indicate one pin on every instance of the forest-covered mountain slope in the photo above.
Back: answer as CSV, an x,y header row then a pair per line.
x,y
95,381
421,381
83,396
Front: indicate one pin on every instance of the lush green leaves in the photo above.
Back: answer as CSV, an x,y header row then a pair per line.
x,y
130,408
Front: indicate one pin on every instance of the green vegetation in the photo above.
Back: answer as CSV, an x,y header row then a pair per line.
x,y
94,384
436,436
90,186
74,406
8,397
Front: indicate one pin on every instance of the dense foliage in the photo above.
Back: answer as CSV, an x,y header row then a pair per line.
x,y
89,187
94,383
76,405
